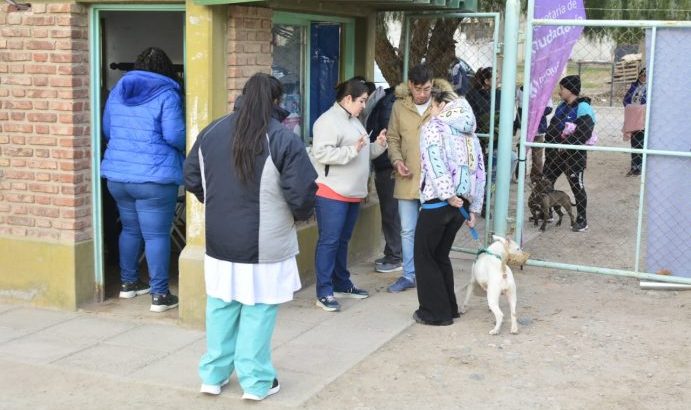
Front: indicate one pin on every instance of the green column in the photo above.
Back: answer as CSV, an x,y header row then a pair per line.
x,y
506,109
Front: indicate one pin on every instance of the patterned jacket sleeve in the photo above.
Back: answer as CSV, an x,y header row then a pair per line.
x,y
433,158
480,179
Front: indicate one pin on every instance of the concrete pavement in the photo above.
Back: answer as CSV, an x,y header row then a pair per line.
x,y
119,351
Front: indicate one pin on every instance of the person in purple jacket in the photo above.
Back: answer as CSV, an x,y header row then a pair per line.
x,y
144,126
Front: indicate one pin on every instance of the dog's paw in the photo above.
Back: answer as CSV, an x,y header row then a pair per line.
x,y
462,310
559,223
494,332
542,228
514,330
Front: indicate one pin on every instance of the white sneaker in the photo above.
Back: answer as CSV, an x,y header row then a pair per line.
x,y
214,389
273,390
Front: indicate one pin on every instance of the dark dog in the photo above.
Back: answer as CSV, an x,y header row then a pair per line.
x,y
544,199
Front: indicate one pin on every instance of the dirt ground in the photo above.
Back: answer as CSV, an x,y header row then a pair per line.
x,y
586,341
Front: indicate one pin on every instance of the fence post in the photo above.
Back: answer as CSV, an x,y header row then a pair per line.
x,y
611,86
506,108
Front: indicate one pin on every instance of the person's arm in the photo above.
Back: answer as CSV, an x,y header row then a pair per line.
x,y
628,97
326,148
297,177
173,121
480,179
192,171
393,136
433,158
105,126
585,124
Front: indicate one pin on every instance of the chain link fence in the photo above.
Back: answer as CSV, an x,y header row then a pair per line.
x,y
624,190
463,50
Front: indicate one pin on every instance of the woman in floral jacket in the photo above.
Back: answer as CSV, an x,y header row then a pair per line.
x,y
453,176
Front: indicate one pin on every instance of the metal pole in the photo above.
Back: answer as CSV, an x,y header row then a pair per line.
x,y
527,63
490,142
641,198
508,96
406,48
611,86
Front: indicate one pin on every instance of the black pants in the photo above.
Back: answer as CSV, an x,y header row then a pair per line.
x,y
435,232
390,221
637,143
554,168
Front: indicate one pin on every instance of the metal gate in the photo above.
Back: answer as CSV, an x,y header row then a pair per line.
x,y
638,192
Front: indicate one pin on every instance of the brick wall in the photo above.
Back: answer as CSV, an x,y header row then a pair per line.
x,y
45,167
249,46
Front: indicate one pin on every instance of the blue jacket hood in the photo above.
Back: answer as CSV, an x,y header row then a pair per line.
x,y
139,87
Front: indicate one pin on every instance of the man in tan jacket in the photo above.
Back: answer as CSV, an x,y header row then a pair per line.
x,y
410,111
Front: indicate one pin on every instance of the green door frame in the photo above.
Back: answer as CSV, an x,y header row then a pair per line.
x,y
347,68
95,79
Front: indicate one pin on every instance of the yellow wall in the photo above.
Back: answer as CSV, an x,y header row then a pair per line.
x,y
47,274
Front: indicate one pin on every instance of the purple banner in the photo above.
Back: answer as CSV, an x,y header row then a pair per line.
x,y
551,49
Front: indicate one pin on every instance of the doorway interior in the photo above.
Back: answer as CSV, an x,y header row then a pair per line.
x,y
118,35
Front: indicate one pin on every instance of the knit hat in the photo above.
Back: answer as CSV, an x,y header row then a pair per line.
x,y
571,83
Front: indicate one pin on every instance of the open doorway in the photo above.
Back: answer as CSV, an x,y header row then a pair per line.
x,y
118,37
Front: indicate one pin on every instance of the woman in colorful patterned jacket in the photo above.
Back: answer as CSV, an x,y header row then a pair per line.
x,y
453,177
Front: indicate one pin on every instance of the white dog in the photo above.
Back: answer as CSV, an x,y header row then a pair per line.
x,y
490,271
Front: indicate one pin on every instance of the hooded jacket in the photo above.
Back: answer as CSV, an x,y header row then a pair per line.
x,y
581,113
255,222
144,127
377,121
452,162
403,136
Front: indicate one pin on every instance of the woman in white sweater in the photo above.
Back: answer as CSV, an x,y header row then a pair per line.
x,y
342,154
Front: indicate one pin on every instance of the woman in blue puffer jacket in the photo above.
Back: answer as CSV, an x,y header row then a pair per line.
x,y
144,126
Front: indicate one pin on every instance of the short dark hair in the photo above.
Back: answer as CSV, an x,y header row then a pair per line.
x,y
353,87
420,74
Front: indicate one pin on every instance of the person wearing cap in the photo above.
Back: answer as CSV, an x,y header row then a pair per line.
x,y
634,120
573,123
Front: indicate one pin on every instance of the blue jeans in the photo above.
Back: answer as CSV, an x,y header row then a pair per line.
x,y
146,212
335,221
408,210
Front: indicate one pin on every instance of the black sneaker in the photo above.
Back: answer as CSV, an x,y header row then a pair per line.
x,y
581,226
128,290
353,293
328,303
275,387
163,302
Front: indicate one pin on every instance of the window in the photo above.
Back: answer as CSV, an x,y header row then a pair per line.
x,y
311,54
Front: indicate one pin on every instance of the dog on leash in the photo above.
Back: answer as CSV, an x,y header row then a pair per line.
x,y
492,273
544,199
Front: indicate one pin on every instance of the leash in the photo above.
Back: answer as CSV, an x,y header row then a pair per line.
x,y
464,213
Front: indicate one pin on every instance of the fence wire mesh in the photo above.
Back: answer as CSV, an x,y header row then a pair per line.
x,y
603,194
462,50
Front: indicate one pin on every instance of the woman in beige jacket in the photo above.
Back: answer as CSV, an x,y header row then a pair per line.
x,y
342,154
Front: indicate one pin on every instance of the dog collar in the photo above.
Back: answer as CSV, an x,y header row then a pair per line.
x,y
487,251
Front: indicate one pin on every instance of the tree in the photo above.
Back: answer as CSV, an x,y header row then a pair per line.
x,y
432,40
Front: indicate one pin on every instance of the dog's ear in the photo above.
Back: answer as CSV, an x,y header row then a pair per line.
x,y
499,238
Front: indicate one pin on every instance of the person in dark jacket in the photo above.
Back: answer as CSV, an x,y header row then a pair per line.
x,y
636,95
384,183
144,125
573,123
256,180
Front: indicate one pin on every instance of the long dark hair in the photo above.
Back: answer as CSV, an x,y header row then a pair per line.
x,y
481,75
155,60
252,121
